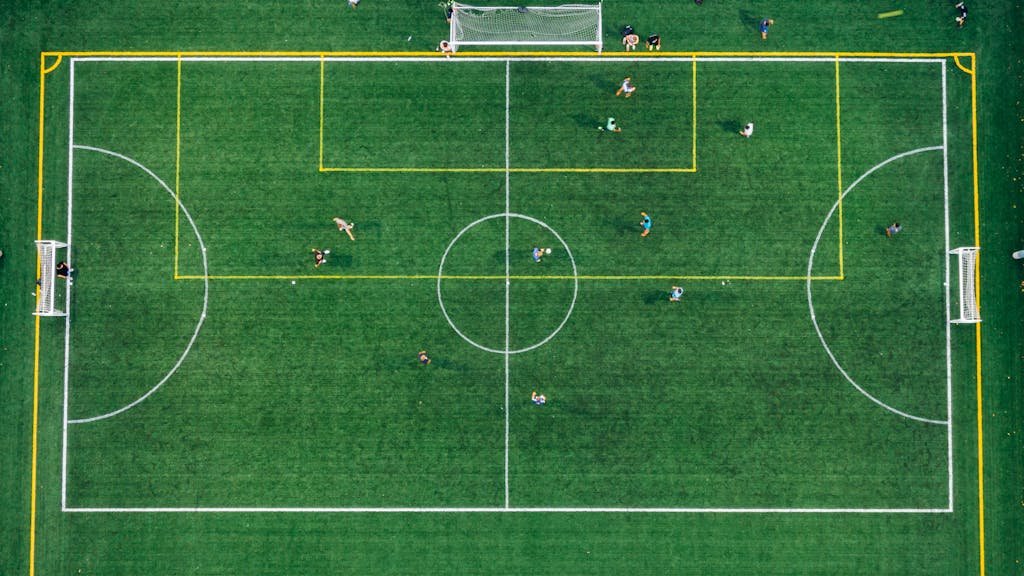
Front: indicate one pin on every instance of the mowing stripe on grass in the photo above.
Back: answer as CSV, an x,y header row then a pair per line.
x,y
67,292
500,277
949,349
839,168
508,265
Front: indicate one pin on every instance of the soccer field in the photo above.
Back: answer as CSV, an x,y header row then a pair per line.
x,y
215,401
809,366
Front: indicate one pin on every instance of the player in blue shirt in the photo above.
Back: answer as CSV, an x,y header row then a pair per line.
x,y
645,224
675,294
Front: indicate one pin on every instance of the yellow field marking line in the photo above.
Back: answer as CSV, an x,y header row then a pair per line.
x,y
177,167
956,60
839,169
52,67
977,327
43,71
495,277
320,166
693,116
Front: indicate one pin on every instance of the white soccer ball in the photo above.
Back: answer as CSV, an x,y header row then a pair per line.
x,y
547,250
327,251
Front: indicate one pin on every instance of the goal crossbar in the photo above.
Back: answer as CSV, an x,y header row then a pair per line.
x,y
565,25
967,257
47,252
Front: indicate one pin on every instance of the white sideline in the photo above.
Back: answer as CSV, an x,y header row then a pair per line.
x,y
507,508
502,510
206,291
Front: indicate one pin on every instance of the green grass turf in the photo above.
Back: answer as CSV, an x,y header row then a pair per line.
x,y
310,394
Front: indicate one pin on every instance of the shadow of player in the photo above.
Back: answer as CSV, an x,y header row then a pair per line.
x,y
729,126
750,20
651,298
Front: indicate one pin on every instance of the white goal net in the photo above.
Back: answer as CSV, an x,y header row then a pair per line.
x,y
968,263
566,25
47,251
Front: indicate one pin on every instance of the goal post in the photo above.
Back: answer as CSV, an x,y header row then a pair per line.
x,y
565,25
47,252
967,257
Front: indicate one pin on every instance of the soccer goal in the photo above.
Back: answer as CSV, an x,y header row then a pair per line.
x,y
566,25
47,251
969,312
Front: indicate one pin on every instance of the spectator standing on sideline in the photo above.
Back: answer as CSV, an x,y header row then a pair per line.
x,y
629,38
653,42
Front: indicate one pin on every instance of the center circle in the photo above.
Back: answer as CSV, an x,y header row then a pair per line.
x,y
568,313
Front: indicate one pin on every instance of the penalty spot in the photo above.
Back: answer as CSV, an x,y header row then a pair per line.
x,y
890,14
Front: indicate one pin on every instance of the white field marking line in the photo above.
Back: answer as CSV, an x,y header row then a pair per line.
x,y
949,354
508,284
608,510
499,510
206,288
316,58
67,293
810,302
575,288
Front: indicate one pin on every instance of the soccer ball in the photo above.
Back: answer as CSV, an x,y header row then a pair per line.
x,y
327,251
547,250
